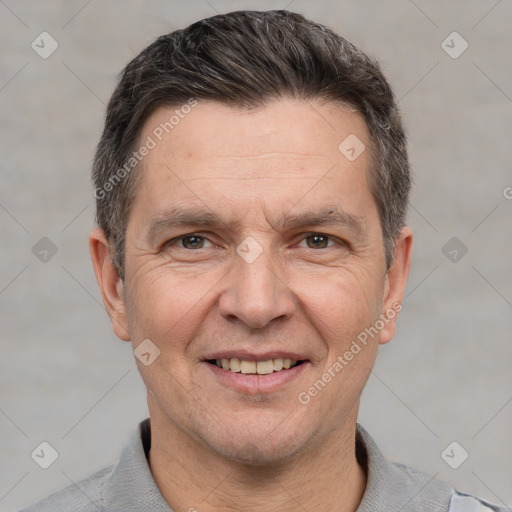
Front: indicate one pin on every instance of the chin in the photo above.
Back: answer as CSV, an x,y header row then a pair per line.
x,y
258,448
258,455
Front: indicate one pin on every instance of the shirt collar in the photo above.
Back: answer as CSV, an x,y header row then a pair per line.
x,y
131,486
397,487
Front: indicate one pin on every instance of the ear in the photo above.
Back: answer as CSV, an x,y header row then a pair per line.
x,y
111,285
395,283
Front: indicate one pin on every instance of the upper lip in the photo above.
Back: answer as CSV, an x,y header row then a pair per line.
x,y
251,356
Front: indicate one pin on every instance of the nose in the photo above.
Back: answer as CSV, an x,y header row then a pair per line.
x,y
256,293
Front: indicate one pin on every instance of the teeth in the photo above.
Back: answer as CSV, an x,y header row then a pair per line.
x,y
252,367
248,366
278,364
234,364
264,367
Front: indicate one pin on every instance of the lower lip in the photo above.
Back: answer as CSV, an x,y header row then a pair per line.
x,y
256,384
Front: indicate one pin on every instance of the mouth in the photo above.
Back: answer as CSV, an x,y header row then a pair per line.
x,y
261,374
251,367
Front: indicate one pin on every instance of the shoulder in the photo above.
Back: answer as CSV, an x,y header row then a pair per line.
x,y
127,486
461,502
82,496
394,486
436,492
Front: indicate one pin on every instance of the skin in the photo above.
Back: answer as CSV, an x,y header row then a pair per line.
x,y
215,447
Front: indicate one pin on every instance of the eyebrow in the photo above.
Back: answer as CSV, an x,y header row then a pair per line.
x,y
178,217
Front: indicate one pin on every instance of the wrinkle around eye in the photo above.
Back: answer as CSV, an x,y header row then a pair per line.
x,y
332,241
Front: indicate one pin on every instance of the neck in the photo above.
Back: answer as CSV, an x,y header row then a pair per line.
x,y
191,477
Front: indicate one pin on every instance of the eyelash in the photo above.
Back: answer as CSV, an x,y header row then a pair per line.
x,y
305,236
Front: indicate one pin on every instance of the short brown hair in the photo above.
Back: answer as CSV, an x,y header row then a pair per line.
x,y
244,59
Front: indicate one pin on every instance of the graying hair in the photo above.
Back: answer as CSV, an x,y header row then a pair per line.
x,y
244,59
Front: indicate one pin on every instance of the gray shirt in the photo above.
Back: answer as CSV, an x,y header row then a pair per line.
x,y
128,486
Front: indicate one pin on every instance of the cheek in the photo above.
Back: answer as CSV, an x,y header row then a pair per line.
x,y
340,304
340,307
166,306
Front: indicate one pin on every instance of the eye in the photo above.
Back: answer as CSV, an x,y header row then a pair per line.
x,y
318,241
189,241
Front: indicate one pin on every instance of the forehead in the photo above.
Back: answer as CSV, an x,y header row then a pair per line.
x,y
211,128
283,152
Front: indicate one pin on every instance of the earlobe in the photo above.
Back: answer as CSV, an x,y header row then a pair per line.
x,y
111,285
396,281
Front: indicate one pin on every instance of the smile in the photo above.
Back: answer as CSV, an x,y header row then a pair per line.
x,y
248,367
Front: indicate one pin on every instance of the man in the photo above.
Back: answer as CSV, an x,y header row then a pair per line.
x,y
252,184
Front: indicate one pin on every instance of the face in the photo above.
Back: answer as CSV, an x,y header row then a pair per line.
x,y
253,242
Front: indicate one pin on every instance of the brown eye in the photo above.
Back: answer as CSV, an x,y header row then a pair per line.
x,y
317,241
192,241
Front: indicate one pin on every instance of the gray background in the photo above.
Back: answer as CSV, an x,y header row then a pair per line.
x,y
67,380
